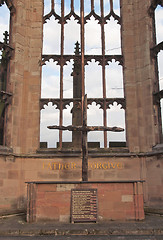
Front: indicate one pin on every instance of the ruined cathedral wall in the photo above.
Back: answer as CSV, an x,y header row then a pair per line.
x,y
139,75
17,170
23,117
22,133
154,179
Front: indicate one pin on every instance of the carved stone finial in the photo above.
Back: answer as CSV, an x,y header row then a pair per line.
x,y
77,48
77,63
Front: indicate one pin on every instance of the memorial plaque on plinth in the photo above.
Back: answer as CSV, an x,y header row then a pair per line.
x,y
83,205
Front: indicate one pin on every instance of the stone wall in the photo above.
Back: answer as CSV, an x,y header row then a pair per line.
x,y
116,201
139,76
16,170
23,117
154,178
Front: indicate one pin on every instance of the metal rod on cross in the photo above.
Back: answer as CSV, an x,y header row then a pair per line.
x,y
84,143
85,129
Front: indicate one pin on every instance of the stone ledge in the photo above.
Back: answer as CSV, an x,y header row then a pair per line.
x,y
4,149
51,153
158,211
158,147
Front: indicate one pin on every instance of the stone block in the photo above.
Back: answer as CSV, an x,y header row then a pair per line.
x,y
47,175
64,218
64,187
48,213
1,182
127,198
13,174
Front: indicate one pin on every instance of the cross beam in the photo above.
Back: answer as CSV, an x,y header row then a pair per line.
x,y
85,129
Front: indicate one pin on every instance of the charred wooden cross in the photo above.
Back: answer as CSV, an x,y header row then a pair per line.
x,y
85,129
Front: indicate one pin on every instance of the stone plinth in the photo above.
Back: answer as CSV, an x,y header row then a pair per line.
x,y
116,200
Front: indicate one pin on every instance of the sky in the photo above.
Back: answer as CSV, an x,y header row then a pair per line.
x,y
93,72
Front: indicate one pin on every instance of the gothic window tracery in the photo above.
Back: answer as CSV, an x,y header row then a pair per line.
x,y
157,54
85,23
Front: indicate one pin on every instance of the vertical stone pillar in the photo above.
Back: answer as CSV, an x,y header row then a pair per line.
x,y
31,202
23,117
139,75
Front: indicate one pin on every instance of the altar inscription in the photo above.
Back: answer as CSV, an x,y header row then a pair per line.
x,y
83,205
91,166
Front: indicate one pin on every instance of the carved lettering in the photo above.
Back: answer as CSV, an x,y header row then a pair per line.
x,y
120,165
113,165
99,165
105,166
91,166
60,166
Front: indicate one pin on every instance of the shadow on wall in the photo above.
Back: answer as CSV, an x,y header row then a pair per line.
x,y
16,206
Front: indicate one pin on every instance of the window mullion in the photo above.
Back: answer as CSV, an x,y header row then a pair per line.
x,y
61,73
103,71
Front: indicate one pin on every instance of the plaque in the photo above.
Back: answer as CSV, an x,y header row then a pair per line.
x,y
83,205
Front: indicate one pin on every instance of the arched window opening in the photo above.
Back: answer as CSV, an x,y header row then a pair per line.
x,y
4,20
71,39
112,37
50,80
87,8
116,4
159,24
77,7
51,38
157,53
49,116
159,39
57,7
106,7
47,6
113,28
68,80
116,117
67,120
160,70
93,80
114,80
95,118
97,8
4,62
92,37
67,7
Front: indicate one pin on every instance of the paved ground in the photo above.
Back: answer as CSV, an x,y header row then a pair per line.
x,y
131,237
17,226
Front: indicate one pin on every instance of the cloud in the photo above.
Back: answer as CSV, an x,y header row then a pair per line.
x,y
51,36
112,37
93,80
4,21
